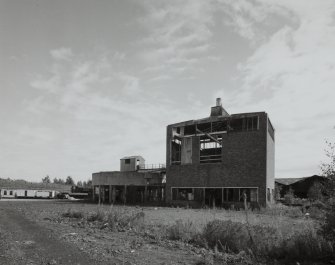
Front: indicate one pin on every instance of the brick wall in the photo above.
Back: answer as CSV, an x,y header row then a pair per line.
x,y
244,163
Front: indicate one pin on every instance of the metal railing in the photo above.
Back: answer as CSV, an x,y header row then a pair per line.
x,y
152,166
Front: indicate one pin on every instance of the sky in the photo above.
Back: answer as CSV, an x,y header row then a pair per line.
x,y
84,83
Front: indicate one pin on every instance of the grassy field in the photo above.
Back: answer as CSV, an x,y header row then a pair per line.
x,y
281,234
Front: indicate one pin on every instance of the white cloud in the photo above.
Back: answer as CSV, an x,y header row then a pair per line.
x,y
62,54
179,33
291,75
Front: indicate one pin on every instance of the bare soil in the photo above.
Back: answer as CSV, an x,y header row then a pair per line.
x,y
30,234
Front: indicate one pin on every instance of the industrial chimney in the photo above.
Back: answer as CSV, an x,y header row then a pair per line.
x,y
218,110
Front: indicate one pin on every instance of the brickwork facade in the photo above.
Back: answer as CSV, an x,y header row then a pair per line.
x,y
246,161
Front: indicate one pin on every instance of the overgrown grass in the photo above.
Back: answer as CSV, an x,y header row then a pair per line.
x,y
113,218
259,241
73,214
288,239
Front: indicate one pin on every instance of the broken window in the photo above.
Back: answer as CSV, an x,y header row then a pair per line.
x,y
182,194
175,152
219,126
127,161
189,130
251,123
236,124
236,194
210,150
244,124
205,127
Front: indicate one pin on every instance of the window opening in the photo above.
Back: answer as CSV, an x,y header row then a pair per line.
x,y
127,161
210,150
175,152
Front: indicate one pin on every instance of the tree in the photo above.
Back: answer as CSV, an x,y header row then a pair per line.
x,y
46,179
328,170
58,181
315,192
79,184
89,183
289,196
69,181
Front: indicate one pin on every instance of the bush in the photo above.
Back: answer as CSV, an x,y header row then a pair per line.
x,y
303,246
184,231
73,214
121,219
328,228
227,235
99,216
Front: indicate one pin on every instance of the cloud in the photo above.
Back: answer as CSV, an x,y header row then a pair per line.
x,y
291,75
62,54
179,33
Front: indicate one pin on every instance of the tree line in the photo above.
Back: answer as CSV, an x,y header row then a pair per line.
x,y
68,181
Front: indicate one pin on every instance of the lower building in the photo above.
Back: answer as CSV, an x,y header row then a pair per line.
x,y
135,183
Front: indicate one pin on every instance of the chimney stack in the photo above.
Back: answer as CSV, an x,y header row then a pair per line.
x,y
218,102
218,110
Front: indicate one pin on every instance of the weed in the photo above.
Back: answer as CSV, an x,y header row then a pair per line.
x,y
184,231
73,214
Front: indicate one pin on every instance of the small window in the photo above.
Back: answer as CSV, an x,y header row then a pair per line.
x,y
11,192
127,161
4,192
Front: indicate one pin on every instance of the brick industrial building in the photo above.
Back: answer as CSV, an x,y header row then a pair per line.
x,y
210,161
216,159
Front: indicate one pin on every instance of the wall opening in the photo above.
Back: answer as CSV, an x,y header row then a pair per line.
x,y
210,150
175,152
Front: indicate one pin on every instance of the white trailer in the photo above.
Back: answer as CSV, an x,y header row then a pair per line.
x,y
25,193
7,193
45,194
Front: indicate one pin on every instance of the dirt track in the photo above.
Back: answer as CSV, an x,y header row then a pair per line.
x,y
25,242
30,233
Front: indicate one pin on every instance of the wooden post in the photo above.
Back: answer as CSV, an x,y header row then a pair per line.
x,y
93,194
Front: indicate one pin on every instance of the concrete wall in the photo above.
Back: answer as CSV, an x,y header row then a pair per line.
x,y
125,178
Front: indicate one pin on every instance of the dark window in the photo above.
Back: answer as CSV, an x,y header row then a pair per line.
x,y
219,126
236,194
236,124
182,194
127,161
4,192
251,123
244,124
205,127
10,192
189,130
175,152
178,130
